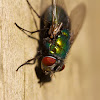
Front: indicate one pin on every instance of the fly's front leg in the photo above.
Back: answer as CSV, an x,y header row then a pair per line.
x,y
31,61
27,63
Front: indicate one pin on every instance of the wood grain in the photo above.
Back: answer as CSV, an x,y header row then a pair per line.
x,y
76,82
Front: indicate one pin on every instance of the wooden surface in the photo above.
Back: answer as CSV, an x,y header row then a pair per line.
x,y
80,79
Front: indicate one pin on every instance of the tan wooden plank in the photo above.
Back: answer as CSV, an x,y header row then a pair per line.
x,y
80,79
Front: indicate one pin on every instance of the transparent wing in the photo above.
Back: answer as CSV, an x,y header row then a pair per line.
x,y
61,3
46,3
62,13
77,17
59,14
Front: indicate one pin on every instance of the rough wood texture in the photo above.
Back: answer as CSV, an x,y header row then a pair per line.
x,y
76,82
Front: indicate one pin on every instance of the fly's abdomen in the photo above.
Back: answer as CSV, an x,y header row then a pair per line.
x,y
61,17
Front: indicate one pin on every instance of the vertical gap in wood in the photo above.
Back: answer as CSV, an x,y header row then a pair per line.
x,y
24,86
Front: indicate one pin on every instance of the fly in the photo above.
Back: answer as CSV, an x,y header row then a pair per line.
x,y
57,34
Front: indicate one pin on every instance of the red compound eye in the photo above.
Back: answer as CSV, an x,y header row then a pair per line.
x,y
48,61
62,67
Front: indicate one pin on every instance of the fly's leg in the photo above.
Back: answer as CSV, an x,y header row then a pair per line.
x,y
36,12
29,61
33,9
24,30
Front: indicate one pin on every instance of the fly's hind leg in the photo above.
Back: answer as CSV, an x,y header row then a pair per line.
x,y
26,31
32,9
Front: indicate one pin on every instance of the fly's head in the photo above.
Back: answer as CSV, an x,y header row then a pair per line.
x,y
51,65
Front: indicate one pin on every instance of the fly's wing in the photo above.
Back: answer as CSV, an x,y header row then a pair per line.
x,y
77,17
44,5
61,3
60,12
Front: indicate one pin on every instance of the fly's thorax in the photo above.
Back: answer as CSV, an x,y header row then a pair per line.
x,y
50,64
60,45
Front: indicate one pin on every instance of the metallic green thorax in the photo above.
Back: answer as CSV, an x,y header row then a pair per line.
x,y
61,46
